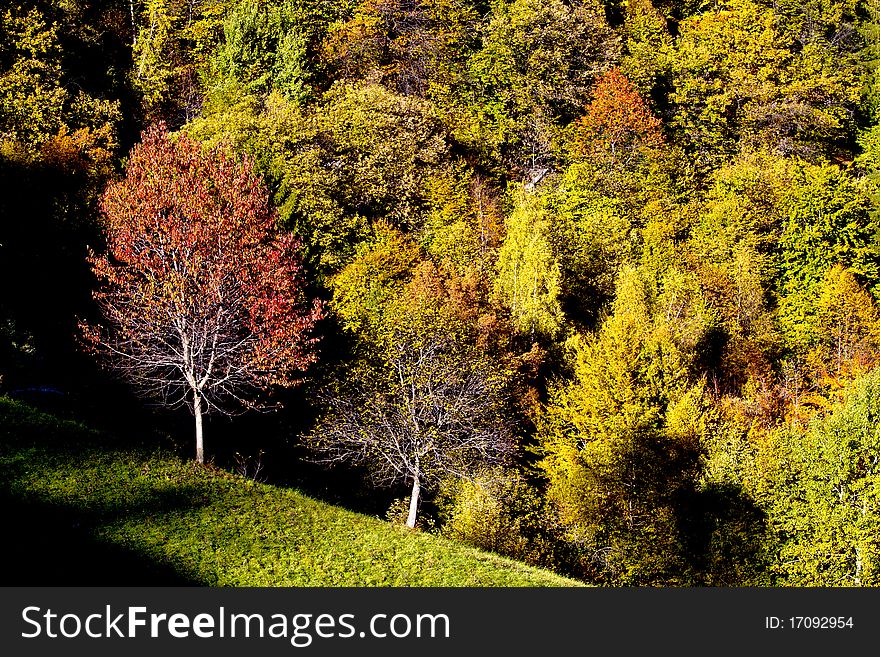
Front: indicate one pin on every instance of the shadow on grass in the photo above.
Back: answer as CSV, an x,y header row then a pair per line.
x,y
52,545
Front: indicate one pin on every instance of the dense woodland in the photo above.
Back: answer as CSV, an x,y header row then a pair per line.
x,y
622,260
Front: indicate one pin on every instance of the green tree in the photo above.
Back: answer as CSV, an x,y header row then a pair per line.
x,y
592,237
414,48
264,48
364,155
825,504
364,288
38,98
647,45
537,62
828,222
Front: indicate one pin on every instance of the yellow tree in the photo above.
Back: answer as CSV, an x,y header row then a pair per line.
x,y
528,279
621,439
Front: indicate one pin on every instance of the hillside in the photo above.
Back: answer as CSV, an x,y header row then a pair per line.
x,y
86,512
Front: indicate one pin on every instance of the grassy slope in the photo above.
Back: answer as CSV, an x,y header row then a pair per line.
x,y
91,513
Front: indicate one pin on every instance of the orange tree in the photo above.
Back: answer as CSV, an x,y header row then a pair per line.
x,y
203,301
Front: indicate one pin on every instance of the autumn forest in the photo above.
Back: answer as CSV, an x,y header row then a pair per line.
x,y
593,285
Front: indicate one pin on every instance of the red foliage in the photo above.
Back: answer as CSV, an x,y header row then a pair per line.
x,y
203,298
617,120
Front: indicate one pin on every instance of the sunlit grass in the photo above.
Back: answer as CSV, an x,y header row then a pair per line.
x,y
218,529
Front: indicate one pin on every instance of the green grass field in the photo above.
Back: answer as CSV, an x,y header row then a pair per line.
x,y
84,511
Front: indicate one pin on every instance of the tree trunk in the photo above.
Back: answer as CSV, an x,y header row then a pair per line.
x,y
197,411
413,503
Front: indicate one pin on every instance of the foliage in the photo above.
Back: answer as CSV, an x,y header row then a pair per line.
x,y
364,155
640,238
431,408
538,61
37,97
412,47
264,48
372,280
202,303
499,511
386,146
621,441
825,505
592,236
464,224
743,77
618,123
528,275
828,222
61,117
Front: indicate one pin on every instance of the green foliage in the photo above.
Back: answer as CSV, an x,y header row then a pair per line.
x,y
838,339
32,97
500,512
537,62
647,45
60,119
743,213
264,48
825,504
828,222
464,222
869,55
372,280
37,99
621,441
154,67
592,237
769,230
386,146
285,142
365,155
414,48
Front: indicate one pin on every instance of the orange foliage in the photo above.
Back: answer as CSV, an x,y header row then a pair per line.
x,y
617,121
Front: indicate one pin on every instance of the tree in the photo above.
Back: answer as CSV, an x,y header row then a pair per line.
x,y
847,326
265,48
618,122
410,46
825,505
203,302
431,407
533,73
620,442
747,75
528,274
43,90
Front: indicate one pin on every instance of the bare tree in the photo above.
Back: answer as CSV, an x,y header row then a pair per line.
x,y
433,410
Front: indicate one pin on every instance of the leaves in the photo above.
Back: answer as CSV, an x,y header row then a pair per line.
x,y
201,297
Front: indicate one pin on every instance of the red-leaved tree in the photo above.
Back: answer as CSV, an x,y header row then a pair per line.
x,y
618,121
203,300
